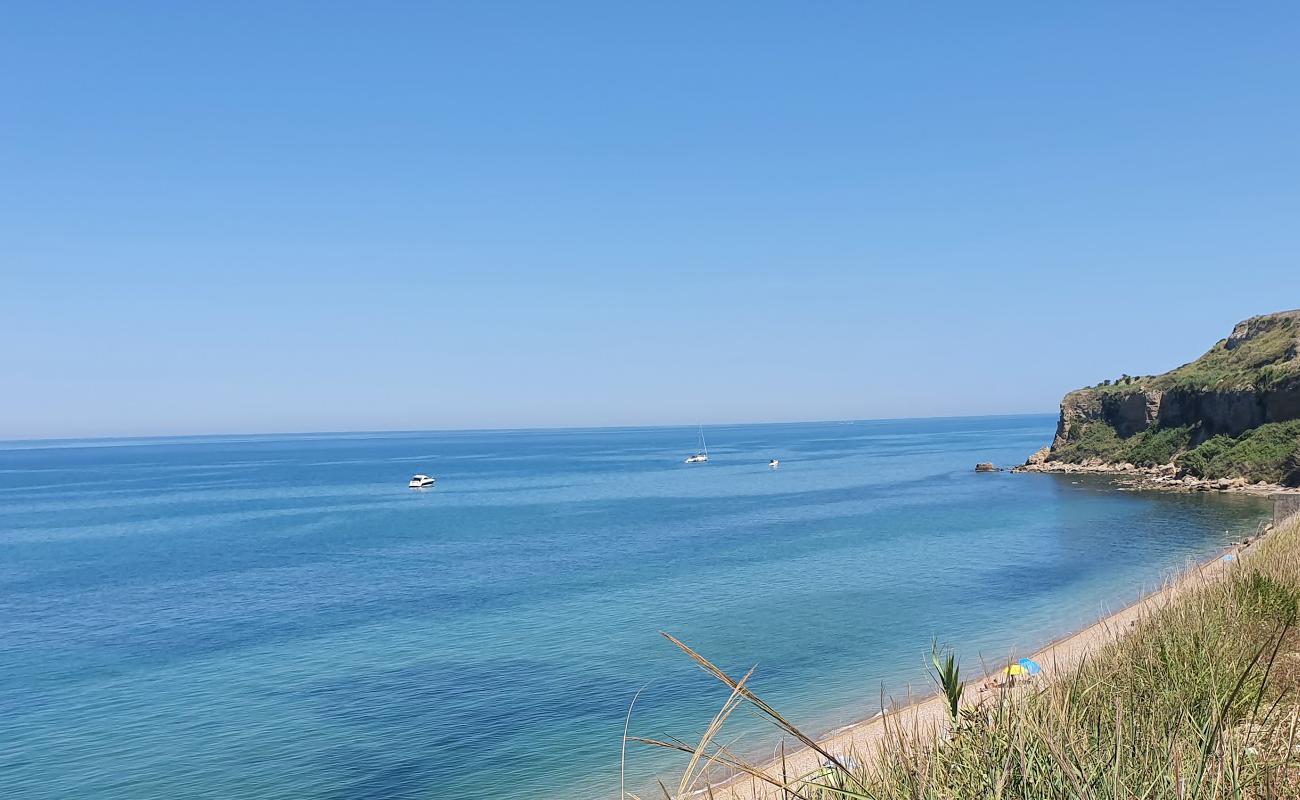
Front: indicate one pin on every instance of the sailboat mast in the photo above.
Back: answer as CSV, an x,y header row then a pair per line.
x,y
703,443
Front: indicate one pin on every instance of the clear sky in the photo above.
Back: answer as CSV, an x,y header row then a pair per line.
x,y
243,217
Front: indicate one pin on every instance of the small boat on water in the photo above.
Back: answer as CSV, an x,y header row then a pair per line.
x,y
703,454
421,482
774,463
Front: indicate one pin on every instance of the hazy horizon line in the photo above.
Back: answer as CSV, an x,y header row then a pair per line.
x,y
145,437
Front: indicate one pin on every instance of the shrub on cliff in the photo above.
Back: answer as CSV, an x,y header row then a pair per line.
x,y
1092,440
1097,440
1267,453
1197,462
1158,445
1291,468
1260,353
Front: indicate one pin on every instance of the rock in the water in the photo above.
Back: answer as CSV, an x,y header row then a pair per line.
x,y
985,466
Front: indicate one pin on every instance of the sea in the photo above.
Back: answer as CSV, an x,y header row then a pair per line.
x,y
280,616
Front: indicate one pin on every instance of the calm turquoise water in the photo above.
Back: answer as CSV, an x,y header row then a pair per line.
x,y
279,617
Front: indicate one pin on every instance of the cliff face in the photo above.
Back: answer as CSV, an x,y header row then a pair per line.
x,y
1128,413
1230,412
1248,380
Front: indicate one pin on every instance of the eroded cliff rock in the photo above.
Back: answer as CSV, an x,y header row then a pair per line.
x,y
1248,382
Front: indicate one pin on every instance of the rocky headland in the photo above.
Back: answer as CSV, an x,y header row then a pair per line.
x,y
1228,421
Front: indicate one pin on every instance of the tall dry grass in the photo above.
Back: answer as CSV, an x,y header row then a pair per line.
x,y
1200,701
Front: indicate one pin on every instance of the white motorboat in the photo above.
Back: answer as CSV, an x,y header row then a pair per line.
x,y
421,482
774,463
703,455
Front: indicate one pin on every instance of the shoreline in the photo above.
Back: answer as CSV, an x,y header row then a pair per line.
x,y
860,740
1130,477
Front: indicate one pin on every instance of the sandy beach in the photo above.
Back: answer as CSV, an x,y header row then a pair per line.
x,y
859,741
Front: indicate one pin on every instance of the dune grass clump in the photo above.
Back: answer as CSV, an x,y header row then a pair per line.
x,y
1201,700
947,676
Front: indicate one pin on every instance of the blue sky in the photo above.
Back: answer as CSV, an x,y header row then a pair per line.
x,y
245,217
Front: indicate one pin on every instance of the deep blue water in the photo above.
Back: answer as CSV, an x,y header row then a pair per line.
x,y
280,617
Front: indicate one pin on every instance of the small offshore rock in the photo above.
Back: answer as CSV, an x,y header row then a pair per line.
x,y
985,466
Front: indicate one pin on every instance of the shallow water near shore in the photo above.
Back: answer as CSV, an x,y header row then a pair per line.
x,y
280,617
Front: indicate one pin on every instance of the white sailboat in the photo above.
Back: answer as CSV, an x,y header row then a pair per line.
x,y
703,454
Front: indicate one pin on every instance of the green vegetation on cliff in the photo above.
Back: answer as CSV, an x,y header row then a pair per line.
x,y
1269,453
1098,441
1232,413
1260,354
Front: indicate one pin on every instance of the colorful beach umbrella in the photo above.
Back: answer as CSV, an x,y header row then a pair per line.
x,y
1029,666
1016,669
